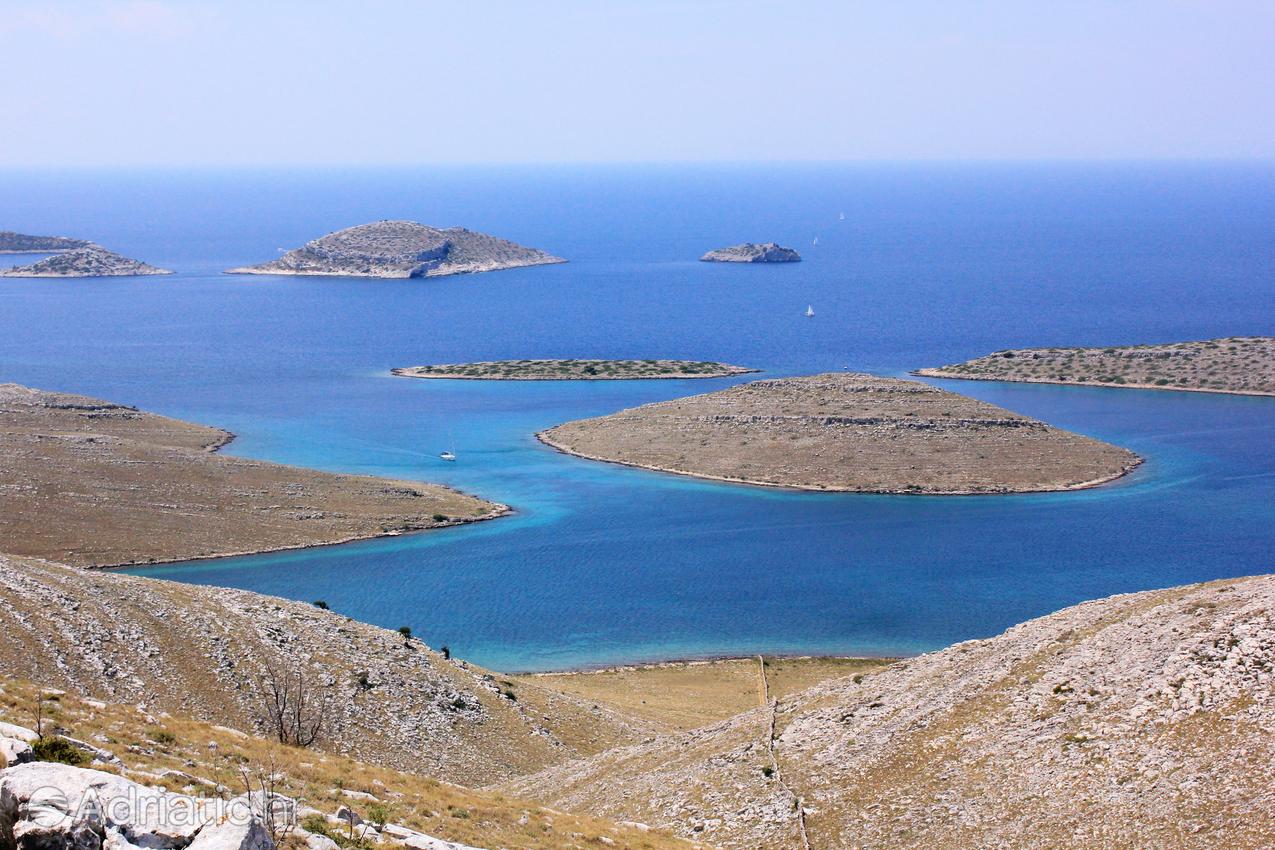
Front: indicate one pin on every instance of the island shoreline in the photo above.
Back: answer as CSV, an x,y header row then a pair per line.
x,y
936,373
227,437
1084,485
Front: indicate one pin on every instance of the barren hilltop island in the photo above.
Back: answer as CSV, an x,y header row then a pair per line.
x,y
1237,364
400,249
573,370
148,488
89,261
751,252
22,243
847,432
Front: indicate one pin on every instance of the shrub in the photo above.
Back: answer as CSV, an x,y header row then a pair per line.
x,y
321,605
767,771
406,632
441,517
54,748
163,737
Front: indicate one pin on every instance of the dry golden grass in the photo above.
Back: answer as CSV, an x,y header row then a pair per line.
x,y
149,744
689,694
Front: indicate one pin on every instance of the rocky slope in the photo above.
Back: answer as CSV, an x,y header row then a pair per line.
x,y
751,252
189,776
1143,720
1242,364
202,651
94,483
21,243
89,261
848,432
399,249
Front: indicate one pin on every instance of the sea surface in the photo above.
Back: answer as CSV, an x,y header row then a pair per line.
x,y
603,564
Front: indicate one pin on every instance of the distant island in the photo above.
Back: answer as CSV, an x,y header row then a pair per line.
x,y
1238,364
401,249
751,252
847,432
573,370
90,261
21,243
92,483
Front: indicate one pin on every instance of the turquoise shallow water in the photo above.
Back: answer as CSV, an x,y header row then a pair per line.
x,y
603,564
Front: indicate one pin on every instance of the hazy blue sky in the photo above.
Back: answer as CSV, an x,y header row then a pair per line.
x,y
117,82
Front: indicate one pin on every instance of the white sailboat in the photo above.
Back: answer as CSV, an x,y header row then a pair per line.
x,y
816,242
841,217
450,454
810,311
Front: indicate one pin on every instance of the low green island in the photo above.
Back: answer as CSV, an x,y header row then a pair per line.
x,y
1240,365
574,370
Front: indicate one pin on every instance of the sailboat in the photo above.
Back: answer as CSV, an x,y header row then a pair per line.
x,y
450,454
810,311
816,242
841,217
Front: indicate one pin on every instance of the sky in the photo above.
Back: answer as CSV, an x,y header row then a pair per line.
x,y
123,83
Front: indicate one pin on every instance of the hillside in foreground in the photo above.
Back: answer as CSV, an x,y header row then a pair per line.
x,y
1243,364
204,652
169,752
1142,720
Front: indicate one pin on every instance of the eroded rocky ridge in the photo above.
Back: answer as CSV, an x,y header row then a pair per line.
x,y
402,249
752,252
89,261
847,432
1142,720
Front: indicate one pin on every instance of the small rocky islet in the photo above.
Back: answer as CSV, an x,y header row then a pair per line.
x,y
70,258
1240,364
752,252
401,249
573,370
847,432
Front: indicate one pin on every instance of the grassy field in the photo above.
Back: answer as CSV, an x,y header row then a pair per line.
x,y
689,694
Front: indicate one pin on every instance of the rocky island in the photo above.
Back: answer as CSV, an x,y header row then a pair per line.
x,y
91,261
751,252
93,483
401,249
573,370
21,243
1240,364
847,432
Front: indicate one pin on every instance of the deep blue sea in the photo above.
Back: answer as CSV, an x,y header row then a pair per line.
x,y
603,564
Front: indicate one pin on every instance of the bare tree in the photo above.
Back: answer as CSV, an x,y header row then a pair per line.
x,y
275,811
292,711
